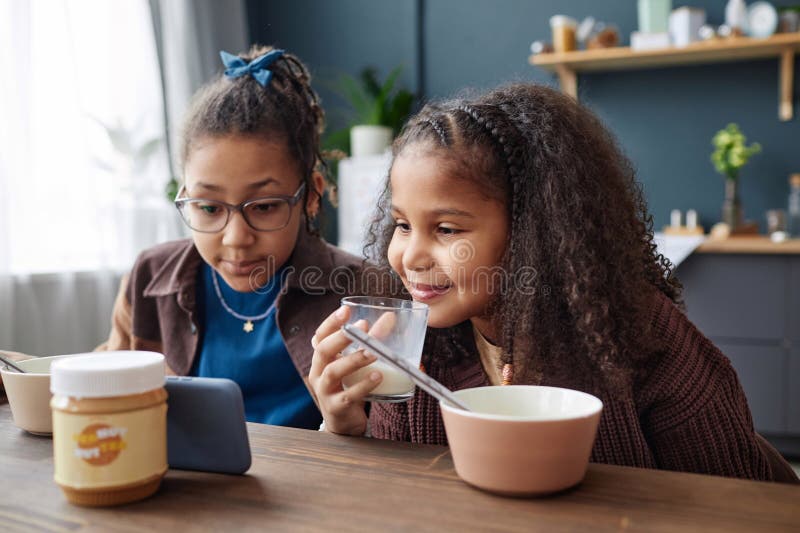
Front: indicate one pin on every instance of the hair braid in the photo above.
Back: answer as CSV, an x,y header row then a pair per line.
x,y
507,138
435,123
313,121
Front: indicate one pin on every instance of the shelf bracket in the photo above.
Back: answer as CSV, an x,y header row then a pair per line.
x,y
569,80
786,107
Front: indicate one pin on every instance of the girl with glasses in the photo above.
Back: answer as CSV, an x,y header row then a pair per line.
x,y
233,301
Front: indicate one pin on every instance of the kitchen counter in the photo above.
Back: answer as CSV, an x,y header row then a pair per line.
x,y
677,248
757,244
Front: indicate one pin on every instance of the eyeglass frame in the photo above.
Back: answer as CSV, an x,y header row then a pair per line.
x,y
292,200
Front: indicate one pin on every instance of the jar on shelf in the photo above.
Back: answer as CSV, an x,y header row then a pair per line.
x,y
654,15
564,28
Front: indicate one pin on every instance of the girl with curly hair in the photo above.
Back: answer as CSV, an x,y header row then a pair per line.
x,y
517,218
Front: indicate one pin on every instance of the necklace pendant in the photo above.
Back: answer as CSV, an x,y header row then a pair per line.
x,y
508,374
248,326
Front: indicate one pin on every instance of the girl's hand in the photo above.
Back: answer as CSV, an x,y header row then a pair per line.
x,y
343,410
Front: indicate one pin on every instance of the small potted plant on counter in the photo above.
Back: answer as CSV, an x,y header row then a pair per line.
x,y
730,154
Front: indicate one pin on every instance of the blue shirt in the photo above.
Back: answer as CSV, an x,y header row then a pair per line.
x,y
274,392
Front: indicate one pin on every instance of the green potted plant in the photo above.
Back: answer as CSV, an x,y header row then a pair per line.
x,y
730,154
376,112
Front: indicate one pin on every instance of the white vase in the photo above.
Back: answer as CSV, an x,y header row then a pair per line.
x,y
736,15
369,140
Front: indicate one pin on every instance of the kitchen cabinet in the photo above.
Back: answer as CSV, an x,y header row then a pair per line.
x,y
748,304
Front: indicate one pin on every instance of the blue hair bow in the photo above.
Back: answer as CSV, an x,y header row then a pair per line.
x,y
235,66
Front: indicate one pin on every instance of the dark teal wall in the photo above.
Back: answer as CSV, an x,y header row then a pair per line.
x,y
663,118
338,36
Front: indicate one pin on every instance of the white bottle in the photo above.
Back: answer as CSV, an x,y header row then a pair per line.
x,y
675,218
691,219
793,209
736,15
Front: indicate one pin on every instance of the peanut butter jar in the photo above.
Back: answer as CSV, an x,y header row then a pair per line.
x,y
109,426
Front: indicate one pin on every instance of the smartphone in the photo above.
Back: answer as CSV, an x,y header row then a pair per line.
x,y
206,428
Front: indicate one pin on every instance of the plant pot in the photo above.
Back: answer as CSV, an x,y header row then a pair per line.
x,y
732,207
369,140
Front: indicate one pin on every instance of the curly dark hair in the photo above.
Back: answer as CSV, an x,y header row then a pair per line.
x,y
287,109
577,217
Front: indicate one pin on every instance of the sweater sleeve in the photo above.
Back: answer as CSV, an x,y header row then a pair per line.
x,y
390,421
697,418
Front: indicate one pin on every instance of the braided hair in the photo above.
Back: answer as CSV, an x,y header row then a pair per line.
x,y
577,219
287,109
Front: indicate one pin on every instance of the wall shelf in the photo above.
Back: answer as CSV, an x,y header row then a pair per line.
x,y
781,46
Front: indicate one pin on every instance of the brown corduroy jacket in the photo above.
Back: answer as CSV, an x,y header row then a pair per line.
x,y
155,308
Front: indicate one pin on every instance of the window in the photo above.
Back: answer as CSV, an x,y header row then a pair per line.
x,y
83,162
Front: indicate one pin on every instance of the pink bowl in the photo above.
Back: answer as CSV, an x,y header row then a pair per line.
x,y
522,440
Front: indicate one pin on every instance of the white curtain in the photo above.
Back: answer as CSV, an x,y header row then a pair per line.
x,y
84,155
91,98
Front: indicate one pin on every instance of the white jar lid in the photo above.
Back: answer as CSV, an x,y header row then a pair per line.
x,y
107,374
562,20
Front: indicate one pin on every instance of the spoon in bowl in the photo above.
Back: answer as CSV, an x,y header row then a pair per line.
x,y
10,365
425,382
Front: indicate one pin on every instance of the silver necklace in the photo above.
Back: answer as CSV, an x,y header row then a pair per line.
x,y
248,324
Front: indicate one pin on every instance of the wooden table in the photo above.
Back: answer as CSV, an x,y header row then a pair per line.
x,y
312,481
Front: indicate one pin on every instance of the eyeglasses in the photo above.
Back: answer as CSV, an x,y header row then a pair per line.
x,y
269,213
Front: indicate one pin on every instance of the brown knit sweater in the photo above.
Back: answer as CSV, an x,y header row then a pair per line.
x,y
686,411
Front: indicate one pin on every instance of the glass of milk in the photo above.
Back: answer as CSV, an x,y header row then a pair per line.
x,y
400,325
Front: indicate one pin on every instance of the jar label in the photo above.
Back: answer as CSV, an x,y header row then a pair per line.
x,y
111,450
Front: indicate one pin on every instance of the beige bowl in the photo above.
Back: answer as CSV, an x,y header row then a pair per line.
x,y
29,394
522,440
